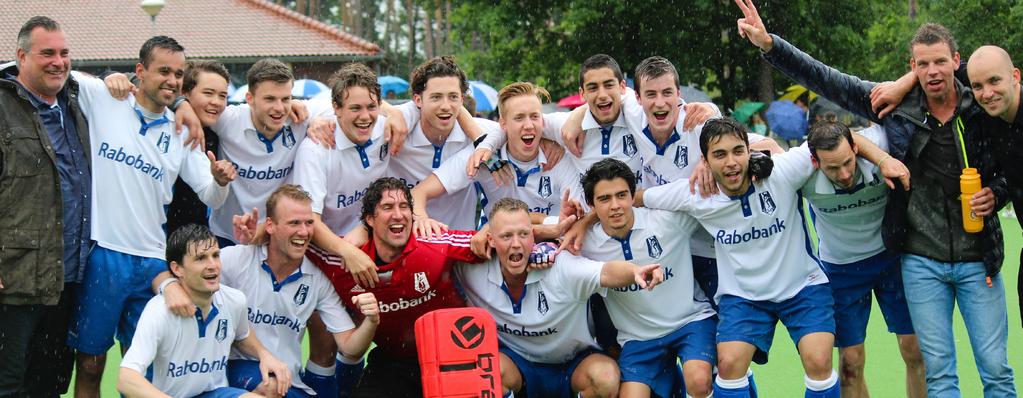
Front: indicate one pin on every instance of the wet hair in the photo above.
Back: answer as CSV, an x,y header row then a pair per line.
x,y
353,74
521,88
607,170
596,62
155,42
715,128
508,205
654,67
179,241
25,34
375,193
437,67
290,191
199,66
827,135
268,69
932,33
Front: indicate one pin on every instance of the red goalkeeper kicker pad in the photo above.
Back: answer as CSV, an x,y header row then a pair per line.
x,y
458,353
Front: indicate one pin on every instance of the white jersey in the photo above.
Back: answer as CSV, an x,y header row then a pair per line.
x,y
541,190
279,312
548,324
419,157
848,222
337,178
189,355
136,166
263,164
763,248
657,237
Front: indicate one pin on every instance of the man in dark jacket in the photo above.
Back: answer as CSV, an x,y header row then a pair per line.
x,y
44,212
936,133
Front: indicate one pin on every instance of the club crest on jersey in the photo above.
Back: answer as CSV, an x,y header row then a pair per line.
x,y
421,283
767,203
288,140
383,151
221,330
545,187
653,247
163,143
681,157
301,294
541,303
629,145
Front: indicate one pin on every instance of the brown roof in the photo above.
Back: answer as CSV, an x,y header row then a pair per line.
x,y
100,31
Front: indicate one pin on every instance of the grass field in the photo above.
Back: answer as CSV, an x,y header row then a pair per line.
x,y
783,376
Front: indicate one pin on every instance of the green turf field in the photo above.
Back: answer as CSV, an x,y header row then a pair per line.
x,y
783,376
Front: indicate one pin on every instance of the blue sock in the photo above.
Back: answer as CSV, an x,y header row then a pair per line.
x,y
320,379
731,388
752,383
829,388
348,376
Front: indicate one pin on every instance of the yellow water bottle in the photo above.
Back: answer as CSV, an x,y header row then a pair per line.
x,y
969,184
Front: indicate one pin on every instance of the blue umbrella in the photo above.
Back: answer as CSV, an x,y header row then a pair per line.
x,y
787,120
485,96
392,84
307,88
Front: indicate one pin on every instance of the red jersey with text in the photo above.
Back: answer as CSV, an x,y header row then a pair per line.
x,y
417,282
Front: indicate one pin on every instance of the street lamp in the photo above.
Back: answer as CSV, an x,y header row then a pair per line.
x,y
152,7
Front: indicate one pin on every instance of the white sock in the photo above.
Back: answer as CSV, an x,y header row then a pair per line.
x,y
749,372
736,384
821,385
711,395
318,370
509,394
347,361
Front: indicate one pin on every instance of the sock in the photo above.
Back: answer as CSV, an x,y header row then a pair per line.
x,y
509,394
348,376
827,388
738,388
320,379
752,383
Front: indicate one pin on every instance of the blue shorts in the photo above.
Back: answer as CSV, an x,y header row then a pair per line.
x,y
851,285
812,310
653,362
222,392
244,374
114,291
546,380
705,271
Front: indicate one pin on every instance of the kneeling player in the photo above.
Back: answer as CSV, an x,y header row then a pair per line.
x,y
189,355
546,347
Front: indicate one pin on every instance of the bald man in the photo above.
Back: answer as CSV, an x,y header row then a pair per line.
x,y
995,84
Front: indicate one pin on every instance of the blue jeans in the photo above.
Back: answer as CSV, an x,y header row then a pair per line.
x,y
933,289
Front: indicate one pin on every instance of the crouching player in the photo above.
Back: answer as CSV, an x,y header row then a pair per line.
x,y
546,349
189,355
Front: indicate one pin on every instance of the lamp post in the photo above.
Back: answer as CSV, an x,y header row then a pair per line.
x,y
152,7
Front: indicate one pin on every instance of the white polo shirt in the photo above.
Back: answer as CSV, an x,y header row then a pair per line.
x,y
135,168
848,221
419,157
657,237
541,190
188,354
279,312
763,248
337,178
548,324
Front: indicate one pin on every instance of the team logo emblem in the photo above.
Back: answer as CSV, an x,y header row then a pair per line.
x,y
421,283
163,143
545,187
767,203
221,330
467,333
289,138
653,247
681,157
629,145
541,303
301,294
383,151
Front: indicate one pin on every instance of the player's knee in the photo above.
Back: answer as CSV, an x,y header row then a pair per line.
x,y
852,360
322,348
732,364
700,384
604,377
90,367
818,362
267,389
511,379
909,347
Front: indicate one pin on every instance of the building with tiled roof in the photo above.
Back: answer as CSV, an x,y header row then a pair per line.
x,y
107,34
